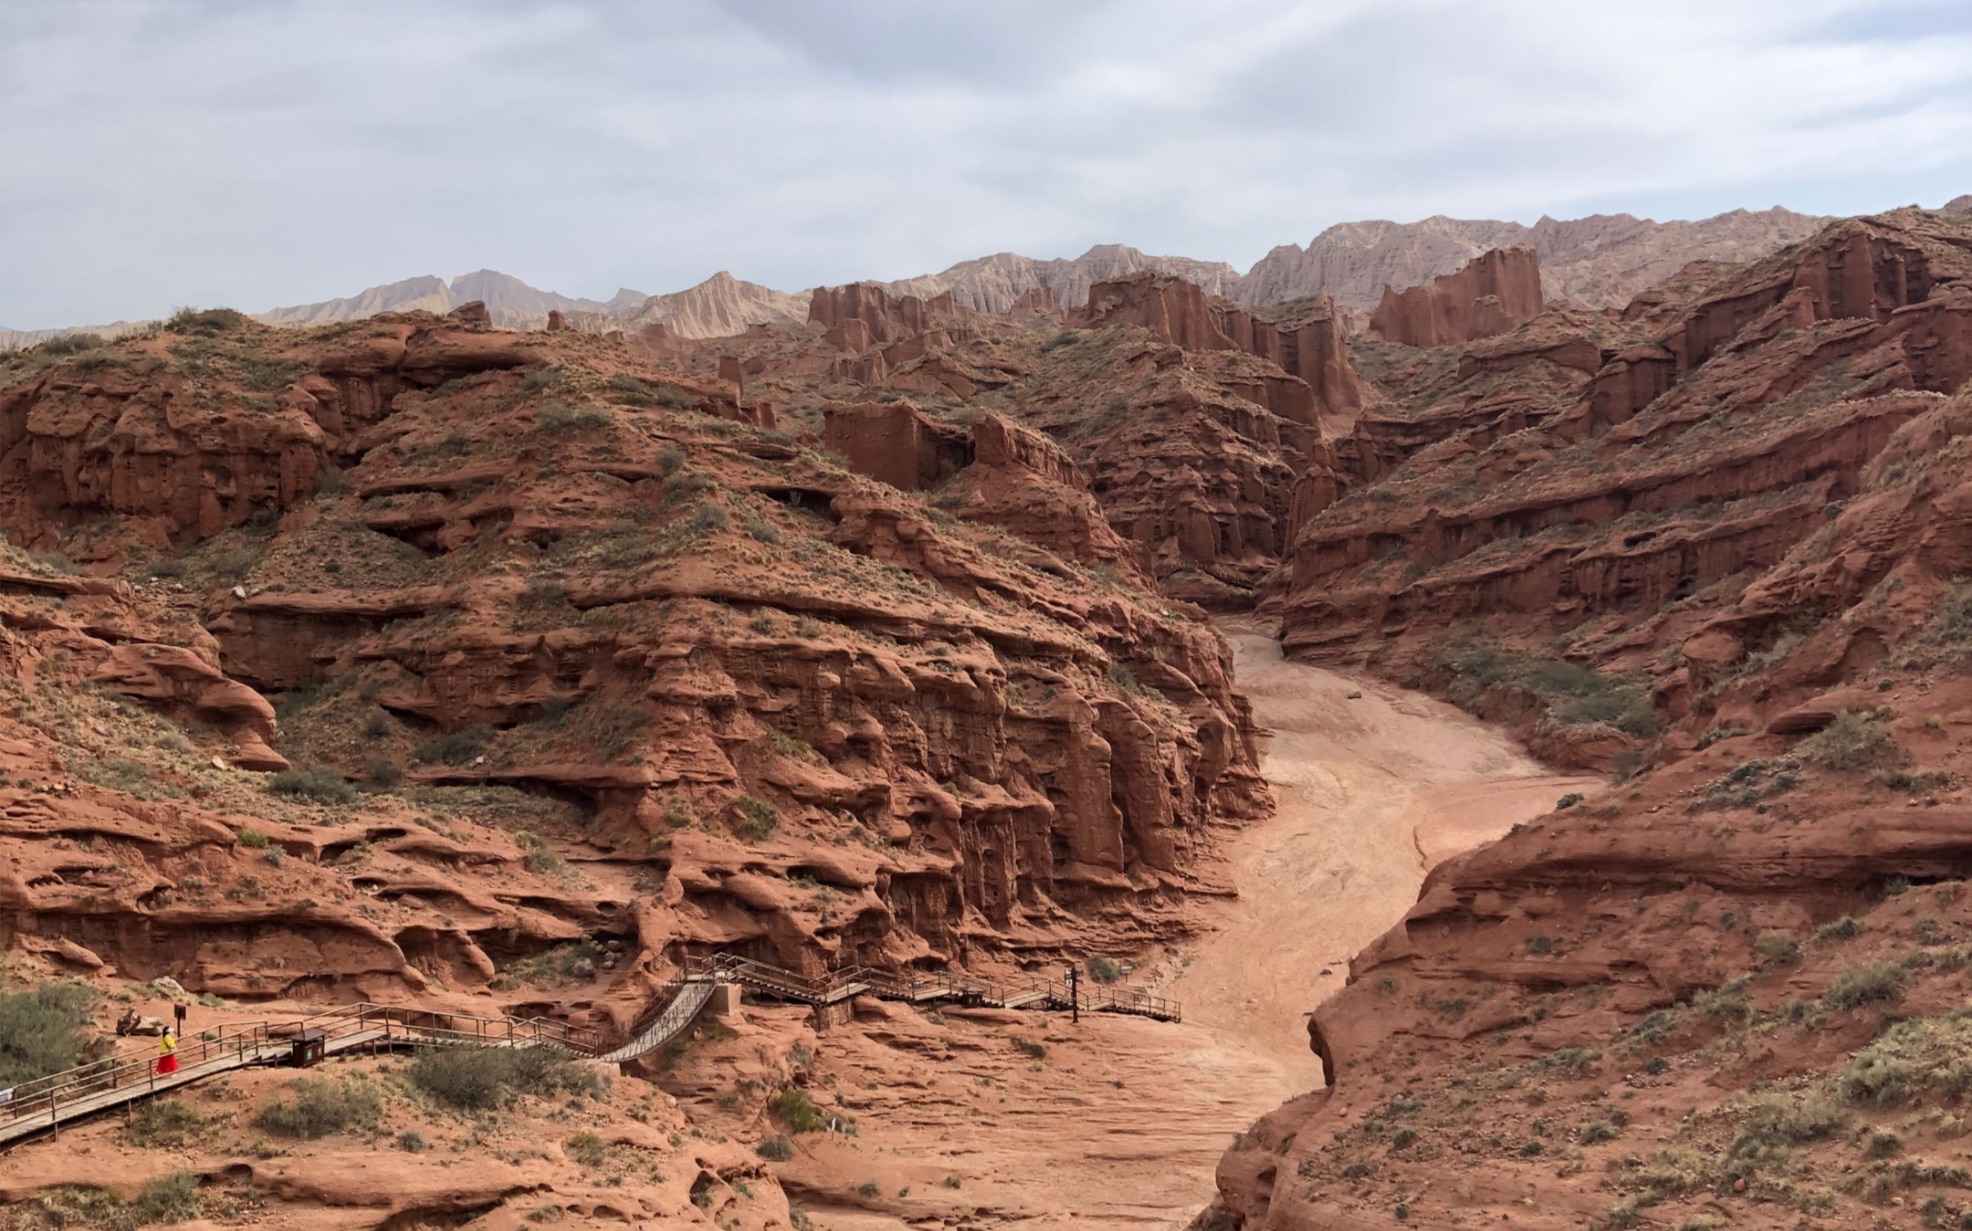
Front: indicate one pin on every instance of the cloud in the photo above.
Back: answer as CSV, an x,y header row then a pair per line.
x,y
159,152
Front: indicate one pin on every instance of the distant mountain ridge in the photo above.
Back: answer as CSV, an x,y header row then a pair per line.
x,y
1599,261
512,303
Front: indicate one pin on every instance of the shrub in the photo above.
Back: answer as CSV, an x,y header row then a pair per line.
x,y
1657,1026
1102,970
544,861
43,1031
315,1108
210,321
1726,1004
587,1149
456,747
71,344
775,1149
411,1141
1778,949
556,418
1574,1060
1862,985
163,1122
1569,800
708,518
793,1108
252,839
483,1079
758,818
1769,1123
1852,742
1845,928
1913,1057
168,1198
1597,1132
316,784
381,771
1953,623
1032,1049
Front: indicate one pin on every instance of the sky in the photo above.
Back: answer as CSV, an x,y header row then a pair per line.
x,y
255,153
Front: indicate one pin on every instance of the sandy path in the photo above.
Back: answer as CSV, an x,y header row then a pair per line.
x,y
1125,1122
1368,791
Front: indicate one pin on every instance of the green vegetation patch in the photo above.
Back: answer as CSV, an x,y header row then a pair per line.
x,y
1574,695
1851,743
312,1108
44,1031
483,1079
1925,1055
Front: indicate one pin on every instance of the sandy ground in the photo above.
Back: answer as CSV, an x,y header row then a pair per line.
x,y
1371,793
1124,1122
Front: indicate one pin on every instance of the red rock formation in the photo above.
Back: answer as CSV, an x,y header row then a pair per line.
x,y
186,447
471,313
548,566
1175,311
1526,489
1179,314
883,319
1495,291
1754,520
896,443
556,322
1036,301
1024,482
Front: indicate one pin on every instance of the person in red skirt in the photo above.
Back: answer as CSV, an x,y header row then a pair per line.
x,y
167,1052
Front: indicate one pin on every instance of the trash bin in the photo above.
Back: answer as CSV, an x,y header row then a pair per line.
x,y
308,1046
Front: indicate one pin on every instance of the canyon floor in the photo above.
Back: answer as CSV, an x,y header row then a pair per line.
x,y
1121,1122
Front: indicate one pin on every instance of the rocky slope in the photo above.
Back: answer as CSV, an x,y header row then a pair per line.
x,y
819,721
1717,544
1596,262
1190,415
719,306
995,283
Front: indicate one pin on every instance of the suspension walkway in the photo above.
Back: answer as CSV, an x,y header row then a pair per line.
x,y
130,1075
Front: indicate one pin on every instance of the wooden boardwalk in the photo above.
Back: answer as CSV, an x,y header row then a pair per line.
x,y
117,1080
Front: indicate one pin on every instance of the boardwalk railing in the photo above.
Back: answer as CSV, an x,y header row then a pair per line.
x,y
131,1074
921,987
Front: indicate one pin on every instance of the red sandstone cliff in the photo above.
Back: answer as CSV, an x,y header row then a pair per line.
x,y
1729,564
1491,294
809,716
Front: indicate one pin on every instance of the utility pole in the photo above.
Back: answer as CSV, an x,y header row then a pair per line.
x,y
1074,994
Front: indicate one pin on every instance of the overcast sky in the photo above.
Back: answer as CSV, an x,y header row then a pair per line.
x,y
252,153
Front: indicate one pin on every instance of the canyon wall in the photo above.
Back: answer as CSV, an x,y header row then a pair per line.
x,y
1493,292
